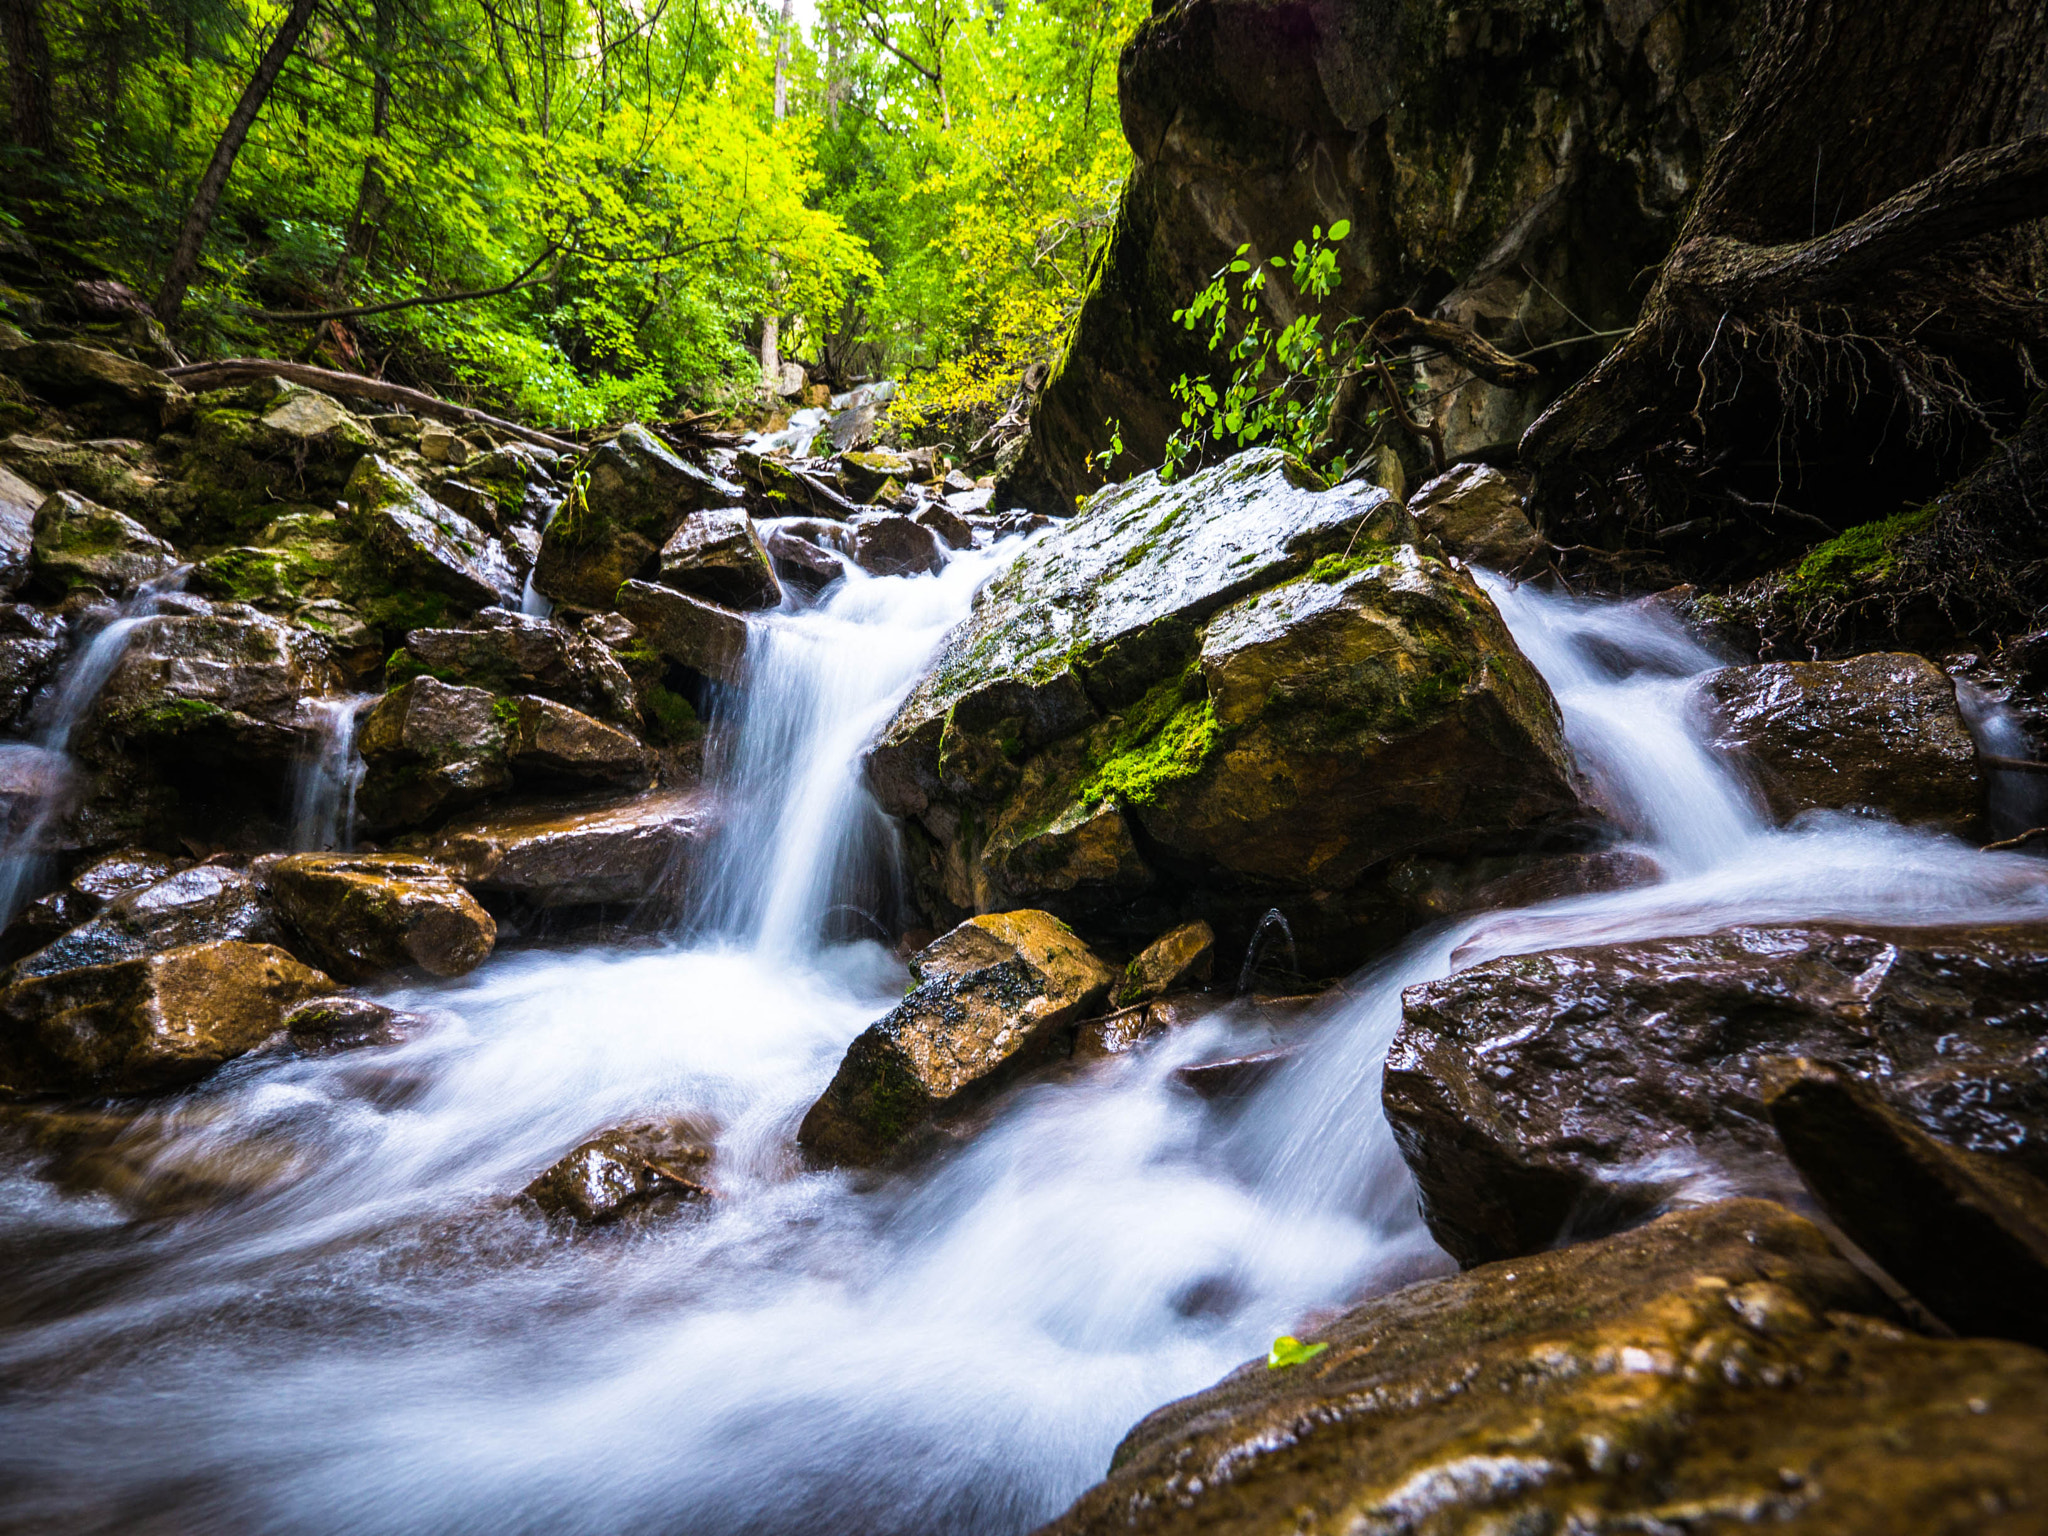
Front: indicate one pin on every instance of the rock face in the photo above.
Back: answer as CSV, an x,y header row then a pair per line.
x,y
629,1170
576,853
415,541
1476,514
1966,1234
79,544
636,494
1879,733
996,995
1574,1092
1718,1369
364,915
1535,158
137,1026
717,555
1192,700
510,652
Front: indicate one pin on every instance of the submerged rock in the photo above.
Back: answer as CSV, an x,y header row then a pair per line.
x,y
1577,1091
629,1170
159,1021
341,1022
1965,1233
717,555
1718,1368
1879,734
1261,686
365,915
580,853
80,544
995,996
1185,957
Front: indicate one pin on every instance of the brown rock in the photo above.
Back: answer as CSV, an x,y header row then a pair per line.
x,y
1580,1090
550,743
953,529
1183,958
342,1022
895,546
366,915
576,853
140,1025
687,630
200,905
80,544
717,555
1475,512
510,652
628,1170
1715,1370
429,748
1879,733
803,562
993,997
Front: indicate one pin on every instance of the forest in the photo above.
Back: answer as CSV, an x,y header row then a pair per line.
x,y
583,212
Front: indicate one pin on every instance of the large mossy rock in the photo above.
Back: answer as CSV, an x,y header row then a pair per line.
x,y
635,494
582,853
997,995
1718,1370
1527,161
1878,734
1215,697
78,543
251,448
1577,1091
415,542
223,687
158,1021
363,916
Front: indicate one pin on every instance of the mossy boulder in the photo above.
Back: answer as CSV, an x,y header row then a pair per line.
x,y
222,685
776,488
1244,680
414,541
1879,734
111,394
364,916
997,995
717,554
632,495
78,543
1580,1090
863,475
142,1025
1719,1369
115,472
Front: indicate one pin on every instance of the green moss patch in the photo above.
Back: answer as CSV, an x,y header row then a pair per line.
x,y
1863,556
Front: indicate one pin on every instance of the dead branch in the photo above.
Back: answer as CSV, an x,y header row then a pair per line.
x,y
1405,328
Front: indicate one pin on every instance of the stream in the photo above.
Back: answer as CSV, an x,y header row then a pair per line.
x,y
375,1337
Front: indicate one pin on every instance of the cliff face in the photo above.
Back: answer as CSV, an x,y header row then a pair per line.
x,y
1519,167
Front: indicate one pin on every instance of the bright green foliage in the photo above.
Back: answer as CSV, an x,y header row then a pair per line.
x,y
1288,1351
1282,384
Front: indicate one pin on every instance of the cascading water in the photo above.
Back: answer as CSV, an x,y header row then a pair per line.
x,y
375,1339
326,776
42,766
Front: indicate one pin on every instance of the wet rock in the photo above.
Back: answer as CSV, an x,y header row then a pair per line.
x,y
429,748
1183,958
1718,1368
80,544
305,426
777,489
140,1025
717,555
630,1170
342,1022
153,1162
551,744
1476,513
362,916
863,475
510,652
200,905
953,530
1234,1076
687,630
1880,734
26,664
18,503
636,492
895,546
580,853
440,445
220,685
803,562
1967,1235
415,541
1130,1027
1576,1091
82,898
995,996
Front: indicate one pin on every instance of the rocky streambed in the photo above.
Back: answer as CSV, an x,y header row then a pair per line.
x,y
713,991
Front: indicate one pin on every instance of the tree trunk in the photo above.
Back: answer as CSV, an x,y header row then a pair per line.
x,y
28,72
1848,314
199,218
771,326
370,194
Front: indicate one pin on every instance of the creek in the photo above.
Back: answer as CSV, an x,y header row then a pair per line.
x,y
373,1336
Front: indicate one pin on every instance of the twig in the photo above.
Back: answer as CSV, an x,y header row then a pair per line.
x,y
2015,842
2013,765
1432,433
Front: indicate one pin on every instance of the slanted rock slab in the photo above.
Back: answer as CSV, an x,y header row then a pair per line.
x,y
580,853
1475,512
717,554
1719,1369
159,1021
363,916
417,542
687,630
993,997
1182,958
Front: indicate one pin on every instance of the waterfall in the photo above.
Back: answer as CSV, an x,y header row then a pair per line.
x,y
41,769
326,775
374,1327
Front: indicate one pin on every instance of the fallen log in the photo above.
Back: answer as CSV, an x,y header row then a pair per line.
x,y
248,370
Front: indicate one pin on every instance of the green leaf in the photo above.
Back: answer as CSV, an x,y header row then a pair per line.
x,y
1288,1351
1340,229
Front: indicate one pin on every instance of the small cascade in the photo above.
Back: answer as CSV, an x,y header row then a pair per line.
x,y
2016,801
325,777
39,774
531,602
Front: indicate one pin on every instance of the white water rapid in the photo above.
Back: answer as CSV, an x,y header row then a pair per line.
x,y
375,1339
326,776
